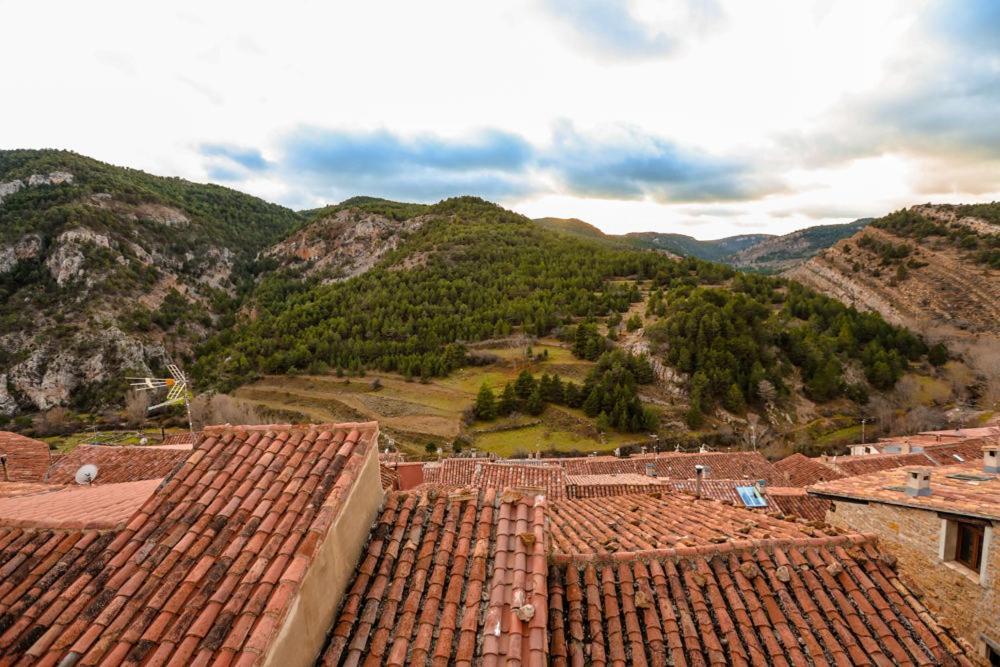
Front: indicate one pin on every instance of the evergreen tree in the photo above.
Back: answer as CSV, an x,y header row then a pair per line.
x,y
485,408
508,400
524,385
534,405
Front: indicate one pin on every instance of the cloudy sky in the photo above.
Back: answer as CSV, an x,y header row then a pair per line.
x,y
705,118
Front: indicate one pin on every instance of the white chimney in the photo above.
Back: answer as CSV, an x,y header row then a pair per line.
x,y
699,472
918,481
651,470
991,458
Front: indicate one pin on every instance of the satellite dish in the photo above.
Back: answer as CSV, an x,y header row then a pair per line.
x,y
86,474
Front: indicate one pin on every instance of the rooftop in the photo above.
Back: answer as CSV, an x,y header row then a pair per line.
x,y
795,603
960,489
76,507
803,471
454,579
117,464
619,525
210,565
26,459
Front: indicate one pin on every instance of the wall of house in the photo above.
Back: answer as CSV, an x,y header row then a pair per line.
x,y
970,604
311,613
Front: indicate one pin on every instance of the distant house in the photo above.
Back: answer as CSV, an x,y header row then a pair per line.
x,y
942,523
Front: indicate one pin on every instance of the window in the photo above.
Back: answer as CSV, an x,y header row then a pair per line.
x,y
969,545
965,543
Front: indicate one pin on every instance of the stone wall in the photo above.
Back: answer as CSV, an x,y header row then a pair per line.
x,y
966,602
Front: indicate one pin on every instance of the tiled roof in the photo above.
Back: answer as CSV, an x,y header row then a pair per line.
x,y
832,600
599,486
12,489
37,567
448,580
432,473
117,464
720,465
957,452
388,477
803,471
178,439
643,522
27,459
208,567
550,479
862,465
723,490
485,473
795,501
76,507
961,496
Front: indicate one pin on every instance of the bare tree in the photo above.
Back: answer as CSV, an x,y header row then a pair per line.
x,y
53,421
136,407
207,409
757,434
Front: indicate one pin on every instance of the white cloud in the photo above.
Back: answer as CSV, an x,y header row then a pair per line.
x,y
149,84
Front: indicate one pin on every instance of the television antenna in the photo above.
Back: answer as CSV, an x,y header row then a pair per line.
x,y
176,386
86,474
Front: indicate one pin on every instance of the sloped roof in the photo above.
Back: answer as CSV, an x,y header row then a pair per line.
x,y
207,568
795,501
979,496
77,507
27,458
388,477
37,566
117,464
803,471
550,479
622,524
862,465
598,486
456,580
819,601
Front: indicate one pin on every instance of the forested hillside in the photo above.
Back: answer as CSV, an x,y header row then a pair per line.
x,y
104,269
475,271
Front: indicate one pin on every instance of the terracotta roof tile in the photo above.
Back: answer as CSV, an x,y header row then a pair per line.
x,y
861,465
117,464
388,477
75,507
795,501
651,522
978,496
455,579
551,480
206,568
598,486
824,601
803,471
26,459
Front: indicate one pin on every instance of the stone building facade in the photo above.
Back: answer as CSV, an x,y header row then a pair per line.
x,y
922,541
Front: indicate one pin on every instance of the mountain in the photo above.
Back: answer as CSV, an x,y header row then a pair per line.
x,y
779,253
719,250
933,269
105,270
573,226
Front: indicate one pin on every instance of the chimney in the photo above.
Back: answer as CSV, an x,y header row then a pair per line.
x,y
918,481
3,462
991,458
651,469
699,472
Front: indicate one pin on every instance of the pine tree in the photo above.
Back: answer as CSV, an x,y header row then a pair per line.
x,y
508,400
524,385
485,407
535,405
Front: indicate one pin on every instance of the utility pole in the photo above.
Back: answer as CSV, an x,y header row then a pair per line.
x,y
864,420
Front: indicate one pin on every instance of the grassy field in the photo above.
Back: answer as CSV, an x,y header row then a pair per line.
x,y
421,416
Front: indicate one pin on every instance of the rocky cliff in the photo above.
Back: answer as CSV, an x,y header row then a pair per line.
x,y
107,271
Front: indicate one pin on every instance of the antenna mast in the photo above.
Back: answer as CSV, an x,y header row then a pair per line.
x,y
176,386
